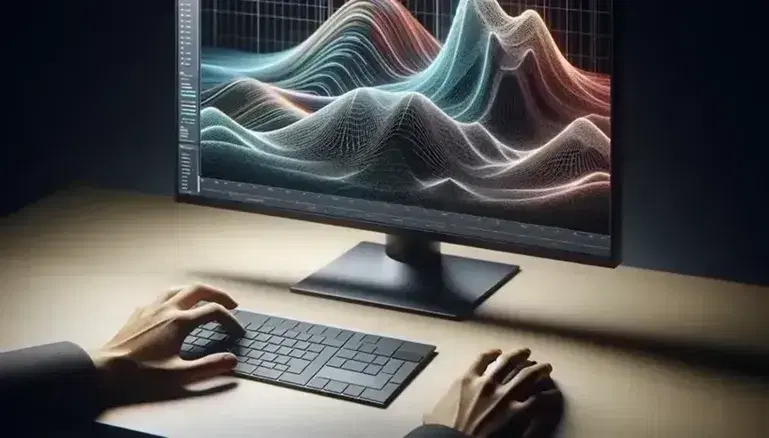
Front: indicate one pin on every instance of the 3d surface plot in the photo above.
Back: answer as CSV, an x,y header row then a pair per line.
x,y
491,120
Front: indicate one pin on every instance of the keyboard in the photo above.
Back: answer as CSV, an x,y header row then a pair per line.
x,y
359,367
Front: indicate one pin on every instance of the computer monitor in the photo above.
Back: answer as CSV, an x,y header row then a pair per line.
x,y
475,122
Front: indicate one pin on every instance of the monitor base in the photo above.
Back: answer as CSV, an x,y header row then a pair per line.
x,y
409,275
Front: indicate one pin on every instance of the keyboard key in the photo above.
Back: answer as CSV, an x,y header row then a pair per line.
x,y
336,362
364,357
352,345
268,364
267,373
412,351
250,318
201,342
406,355
297,366
275,321
279,331
353,365
277,340
250,334
218,337
261,337
205,334
310,355
318,383
245,343
360,379
379,396
282,360
302,345
255,362
269,357
284,350
298,353
333,342
331,332
315,348
346,354
354,390
288,342
336,387
289,324
303,327
317,339
367,348
373,370
254,354
266,329
380,360
370,339
244,368
316,330
291,334
312,369
344,335
303,337
271,348
403,372
281,367
296,379
385,350
392,366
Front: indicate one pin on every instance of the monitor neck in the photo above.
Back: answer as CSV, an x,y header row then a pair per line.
x,y
413,251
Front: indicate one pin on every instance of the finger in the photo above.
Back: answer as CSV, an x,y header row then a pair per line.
x,y
508,363
518,369
206,367
525,382
189,297
170,293
483,361
524,409
211,312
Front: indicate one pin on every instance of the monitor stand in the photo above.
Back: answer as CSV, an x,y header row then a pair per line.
x,y
409,274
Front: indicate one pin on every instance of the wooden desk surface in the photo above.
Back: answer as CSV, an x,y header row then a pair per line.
x,y
74,266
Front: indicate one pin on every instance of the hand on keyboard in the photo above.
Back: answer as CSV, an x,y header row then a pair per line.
x,y
359,367
145,352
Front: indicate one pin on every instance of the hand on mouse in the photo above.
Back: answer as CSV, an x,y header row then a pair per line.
x,y
485,399
145,352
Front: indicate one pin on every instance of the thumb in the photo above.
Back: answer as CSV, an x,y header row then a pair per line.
x,y
206,367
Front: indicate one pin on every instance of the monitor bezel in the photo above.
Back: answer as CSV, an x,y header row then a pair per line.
x,y
611,261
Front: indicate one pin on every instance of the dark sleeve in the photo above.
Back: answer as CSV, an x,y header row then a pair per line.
x,y
54,384
435,431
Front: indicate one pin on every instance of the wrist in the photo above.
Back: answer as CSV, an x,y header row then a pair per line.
x,y
107,382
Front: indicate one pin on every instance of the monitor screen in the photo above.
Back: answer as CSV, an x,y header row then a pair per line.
x,y
483,119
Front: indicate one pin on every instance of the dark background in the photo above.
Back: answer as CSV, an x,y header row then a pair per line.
x,y
92,98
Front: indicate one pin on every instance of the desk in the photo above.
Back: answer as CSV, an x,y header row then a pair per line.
x,y
75,265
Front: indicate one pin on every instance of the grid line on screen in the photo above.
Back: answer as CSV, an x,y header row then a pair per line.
x,y
581,28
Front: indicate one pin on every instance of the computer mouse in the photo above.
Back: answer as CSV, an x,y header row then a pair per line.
x,y
547,417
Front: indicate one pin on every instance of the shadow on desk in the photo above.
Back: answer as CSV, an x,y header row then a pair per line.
x,y
707,357
721,359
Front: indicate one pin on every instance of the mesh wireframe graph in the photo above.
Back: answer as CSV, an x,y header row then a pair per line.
x,y
496,108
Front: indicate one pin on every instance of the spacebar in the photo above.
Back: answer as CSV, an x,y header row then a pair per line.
x,y
351,377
